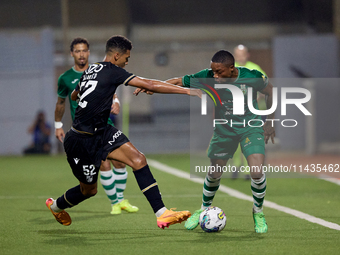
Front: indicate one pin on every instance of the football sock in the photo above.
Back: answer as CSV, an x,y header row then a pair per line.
x,y
107,179
55,208
120,175
70,198
210,187
258,188
149,187
160,212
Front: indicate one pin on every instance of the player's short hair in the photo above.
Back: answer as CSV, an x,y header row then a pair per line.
x,y
224,57
118,43
79,40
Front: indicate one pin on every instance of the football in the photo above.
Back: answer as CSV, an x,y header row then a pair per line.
x,y
212,219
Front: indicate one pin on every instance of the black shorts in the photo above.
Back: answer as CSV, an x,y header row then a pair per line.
x,y
85,152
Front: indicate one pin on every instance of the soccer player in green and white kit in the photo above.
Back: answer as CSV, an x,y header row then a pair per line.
x,y
241,55
112,180
227,137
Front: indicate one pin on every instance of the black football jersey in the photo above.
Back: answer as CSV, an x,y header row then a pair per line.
x,y
97,86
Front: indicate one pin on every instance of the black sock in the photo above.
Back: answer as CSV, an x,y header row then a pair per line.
x,y
71,198
149,187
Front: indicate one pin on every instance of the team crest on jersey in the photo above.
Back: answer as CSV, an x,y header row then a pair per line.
x,y
243,88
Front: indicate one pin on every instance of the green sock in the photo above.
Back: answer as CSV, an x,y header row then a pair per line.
x,y
120,175
210,187
258,188
108,182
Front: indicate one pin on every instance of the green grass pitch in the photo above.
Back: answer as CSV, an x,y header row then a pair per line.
x,y
27,226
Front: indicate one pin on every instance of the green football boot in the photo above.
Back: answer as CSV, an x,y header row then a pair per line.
x,y
193,221
260,223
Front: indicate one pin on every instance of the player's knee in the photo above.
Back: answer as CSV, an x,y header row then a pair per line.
x,y
139,161
105,166
118,164
256,174
215,175
216,168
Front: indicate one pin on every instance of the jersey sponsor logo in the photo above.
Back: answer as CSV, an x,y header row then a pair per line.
x,y
91,72
220,154
115,136
249,143
74,81
94,68
76,160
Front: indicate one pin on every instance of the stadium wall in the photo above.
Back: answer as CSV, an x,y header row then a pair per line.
x,y
26,85
300,60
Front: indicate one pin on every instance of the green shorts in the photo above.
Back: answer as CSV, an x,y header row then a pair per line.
x,y
222,147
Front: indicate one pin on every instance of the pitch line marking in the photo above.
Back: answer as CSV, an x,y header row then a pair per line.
x,y
240,195
96,197
329,179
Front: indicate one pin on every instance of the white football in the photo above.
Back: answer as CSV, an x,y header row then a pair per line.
x,y
212,219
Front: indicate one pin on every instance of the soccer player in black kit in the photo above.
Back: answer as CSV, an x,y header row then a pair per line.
x,y
91,140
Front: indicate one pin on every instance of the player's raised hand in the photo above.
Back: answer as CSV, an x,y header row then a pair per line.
x,y
59,134
269,132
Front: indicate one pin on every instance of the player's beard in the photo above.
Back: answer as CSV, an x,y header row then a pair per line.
x,y
81,64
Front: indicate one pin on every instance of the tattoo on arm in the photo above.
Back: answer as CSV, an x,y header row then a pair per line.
x,y
59,109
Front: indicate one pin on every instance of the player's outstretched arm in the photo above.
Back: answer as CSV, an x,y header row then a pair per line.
x,y
174,81
58,115
269,130
162,87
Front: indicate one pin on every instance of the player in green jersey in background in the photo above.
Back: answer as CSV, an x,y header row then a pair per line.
x,y
242,55
227,137
112,180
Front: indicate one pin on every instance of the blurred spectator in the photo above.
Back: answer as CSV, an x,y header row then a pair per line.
x,y
41,132
242,55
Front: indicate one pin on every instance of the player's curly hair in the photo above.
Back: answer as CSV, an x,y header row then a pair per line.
x,y
118,43
79,40
224,57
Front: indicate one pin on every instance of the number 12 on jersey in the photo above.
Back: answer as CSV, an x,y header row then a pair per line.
x,y
86,88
